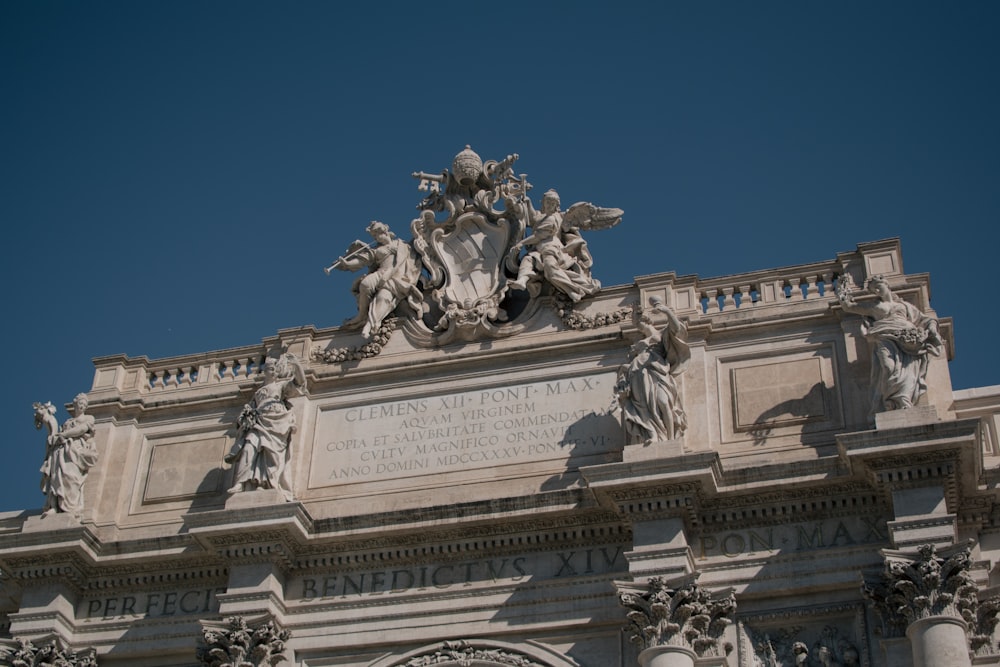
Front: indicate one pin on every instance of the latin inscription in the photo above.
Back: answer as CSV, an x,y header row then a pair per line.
x,y
793,537
156,604
562,564
474,429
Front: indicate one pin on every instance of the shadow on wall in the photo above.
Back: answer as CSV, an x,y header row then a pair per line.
x,y
591,440
800,410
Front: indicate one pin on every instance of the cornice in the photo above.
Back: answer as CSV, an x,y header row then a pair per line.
x,y
455,545
285,535
158,575
839,499
48,567
461,516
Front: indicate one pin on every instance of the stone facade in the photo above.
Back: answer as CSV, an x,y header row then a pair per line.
x,y
460,484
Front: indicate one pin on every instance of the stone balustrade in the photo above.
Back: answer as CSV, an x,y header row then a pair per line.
x,y
227,369
689,296
752,290
177,373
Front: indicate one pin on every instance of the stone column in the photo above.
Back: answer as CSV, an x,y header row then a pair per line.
x,y
931,598
667,656
676,624
939,641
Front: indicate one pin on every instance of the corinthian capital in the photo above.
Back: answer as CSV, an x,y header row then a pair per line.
x,y
678,614
241,644
926,583
23,652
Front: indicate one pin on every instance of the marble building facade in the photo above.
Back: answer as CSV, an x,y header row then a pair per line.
x,y
501,462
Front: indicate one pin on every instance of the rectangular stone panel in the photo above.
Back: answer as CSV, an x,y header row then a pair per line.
x,y
781,393
179,470
489,428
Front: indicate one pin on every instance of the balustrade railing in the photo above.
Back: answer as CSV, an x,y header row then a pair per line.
x,y
227,369
720,295
165,375
713,296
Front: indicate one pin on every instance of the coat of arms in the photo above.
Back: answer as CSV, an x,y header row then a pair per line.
x,y
478,246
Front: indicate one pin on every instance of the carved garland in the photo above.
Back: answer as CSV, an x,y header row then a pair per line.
x,y
370,349
581,322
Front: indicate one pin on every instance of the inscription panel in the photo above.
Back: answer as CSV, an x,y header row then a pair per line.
x,y
548,421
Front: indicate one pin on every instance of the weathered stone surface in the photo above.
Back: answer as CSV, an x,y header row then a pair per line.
x,y
458,484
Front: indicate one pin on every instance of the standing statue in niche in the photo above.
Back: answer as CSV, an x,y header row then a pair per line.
x,y
901,339
69,455
393,274
555,250
647,384
260,454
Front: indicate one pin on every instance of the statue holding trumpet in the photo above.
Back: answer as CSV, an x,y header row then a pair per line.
x,y
392,278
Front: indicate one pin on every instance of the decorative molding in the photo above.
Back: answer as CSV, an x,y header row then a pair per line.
x,y
939,463
465,652
45,568
578,321
462,652
778,507
836,633
645,492
356,353
537,534
266,547
785,647
977,511
151,577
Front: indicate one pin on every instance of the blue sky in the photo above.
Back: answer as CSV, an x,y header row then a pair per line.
x,y
174,176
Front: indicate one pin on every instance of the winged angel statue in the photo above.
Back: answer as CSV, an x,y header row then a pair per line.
x,y
468,241
556,252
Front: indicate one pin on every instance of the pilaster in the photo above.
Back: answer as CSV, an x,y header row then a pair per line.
x,y
659,497
48,560
926,470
